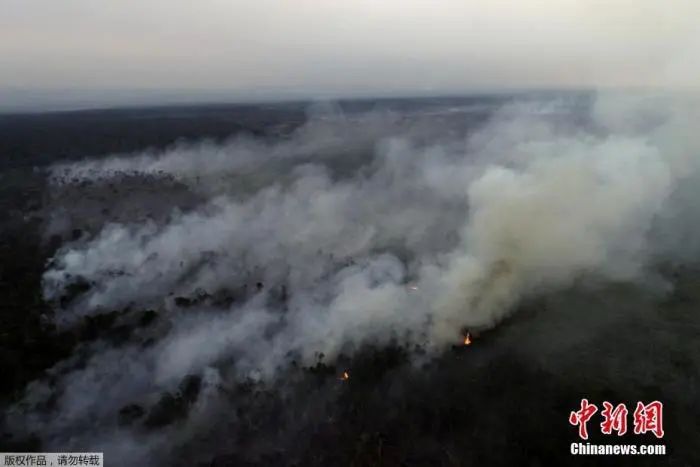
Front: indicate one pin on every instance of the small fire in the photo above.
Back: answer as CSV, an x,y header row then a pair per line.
x,y
345,376
468,339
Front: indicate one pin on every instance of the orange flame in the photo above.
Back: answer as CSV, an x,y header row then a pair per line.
x,y
346,376
468,339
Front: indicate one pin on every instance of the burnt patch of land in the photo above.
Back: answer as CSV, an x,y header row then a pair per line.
x,y
504,400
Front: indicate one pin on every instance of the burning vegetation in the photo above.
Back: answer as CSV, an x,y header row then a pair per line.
x,y
467,339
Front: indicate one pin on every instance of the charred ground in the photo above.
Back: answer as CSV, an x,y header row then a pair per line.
x,y
504,400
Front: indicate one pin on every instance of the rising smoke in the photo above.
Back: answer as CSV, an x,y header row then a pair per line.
x,y
355,230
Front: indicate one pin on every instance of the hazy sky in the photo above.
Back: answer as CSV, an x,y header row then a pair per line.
x,y
318,47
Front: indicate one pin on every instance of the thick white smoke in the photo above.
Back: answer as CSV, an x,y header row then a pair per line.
x,y
410,245
477,233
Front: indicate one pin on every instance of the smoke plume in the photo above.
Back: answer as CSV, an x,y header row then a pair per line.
x,y
363,229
